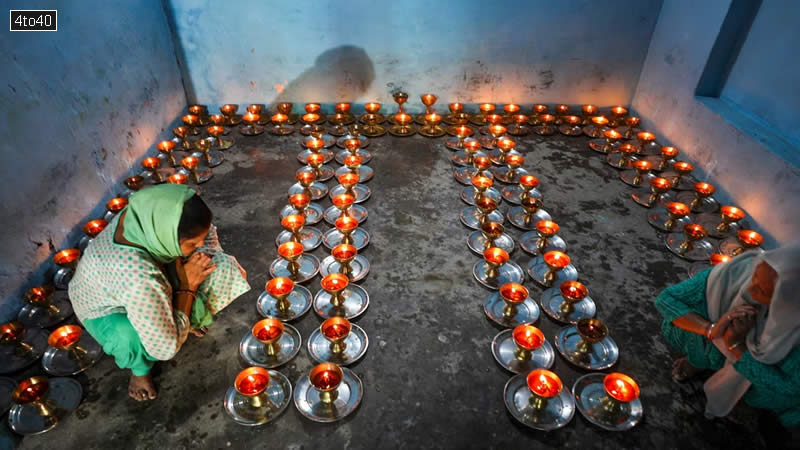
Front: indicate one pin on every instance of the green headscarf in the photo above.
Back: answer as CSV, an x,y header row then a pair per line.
x,y
152,220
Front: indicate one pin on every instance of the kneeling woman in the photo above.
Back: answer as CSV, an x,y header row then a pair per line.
x,y
740,319
153,275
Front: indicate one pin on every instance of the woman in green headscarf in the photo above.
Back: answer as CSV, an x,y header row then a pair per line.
x,y
740,319
153,275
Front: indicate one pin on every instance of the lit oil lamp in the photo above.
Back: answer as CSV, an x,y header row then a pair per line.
x,y
400,98
114,206
329,393
725,224
608,143
334,285
280,288
20,346
622,157
217,133
538,110
457,115
336,330
33,395
528,213
402,125
132,184
481,186
484,110
665,159
522,349
569,303
220,121
313,146
152,170
307,184
341,119
190,166
587,112
509,111
315,162
13,334
675,215
373,118
312,120
491,234
349,184
263,119
182,136
561,111
518,125
631,127
283,300
558,268
229,111
295,232
571,126
657,193
713,260
483,211
503,146
91,228
480,166
743,241
546,125
67,261
536,399
211,158
257,396
597,128
353,163
510,307
326,378
286,108
343,205
495,269
166,148
428,100
280,127
544,385
70,352
251,126
691,244
469,149
353,146
511,173
345,260
609,401
269,332
318,132
526,187
191,122
513,295
620,390
44,307
346,231
646,142
639,174
618,114
700,198
432,127
461,133
202,114
301,204
293,263
543,238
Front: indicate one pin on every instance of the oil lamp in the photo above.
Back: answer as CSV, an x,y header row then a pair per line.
x,y
544,385
336,330
484,110
469,149
67,261
190,166
536,399
542,239
132,184
700,199
631,127
219,142
675,215
691,244
743,241
622,157
640,173
14,334
229,111
483,211
538,110
665,158
346,231
553,266
481,186
182,137
202,114
597,128
268,332
280,120
270,343
114,206
349,184
646,142
569,303
522,349
152,170
526,187
166,149
70,352
341,119
618,114
546,125
295,232
713,260
44,307
495,269
251,126
400,98
724,224
354,132
329,393
285,108
326,378
528,213
509,111
313,146
343,206
461,133
20,346
257,396
263,119
315,163
318,132
39,404
514,294
620,390
211,158
293,263
561,111
511,173
345,260
571,126
608,143
480,166
428,100
491,234
353,164
280,289
220,121
402,125
307,184
587,112
301,204
457,115
503,147
432,127
681,178
190,121
373,118
353,146
91,228
315,108
518,125
657,193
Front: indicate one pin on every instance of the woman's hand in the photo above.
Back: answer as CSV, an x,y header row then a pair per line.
x,y
742,315
738,329
194,271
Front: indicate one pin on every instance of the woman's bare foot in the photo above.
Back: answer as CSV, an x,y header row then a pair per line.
x,y
142,388
199,332
682,370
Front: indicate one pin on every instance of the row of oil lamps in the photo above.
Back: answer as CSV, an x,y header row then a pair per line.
x,y
535,395
329,391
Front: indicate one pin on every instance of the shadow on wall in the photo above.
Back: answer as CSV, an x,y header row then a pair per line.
x,y
340,74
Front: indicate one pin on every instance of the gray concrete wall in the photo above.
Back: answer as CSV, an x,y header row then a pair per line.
x,y
81,106
744,168
572,51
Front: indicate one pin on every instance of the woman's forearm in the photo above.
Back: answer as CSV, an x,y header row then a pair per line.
x,y
693,323
184,300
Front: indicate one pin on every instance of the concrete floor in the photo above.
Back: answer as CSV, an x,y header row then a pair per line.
x,y
429,375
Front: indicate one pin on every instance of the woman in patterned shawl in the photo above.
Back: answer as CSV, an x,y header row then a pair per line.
x,y
153,275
